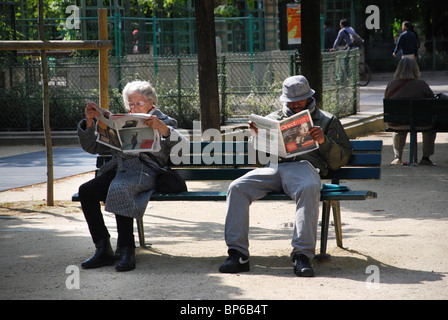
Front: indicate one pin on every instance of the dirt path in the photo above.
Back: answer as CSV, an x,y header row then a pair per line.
x,y
394,246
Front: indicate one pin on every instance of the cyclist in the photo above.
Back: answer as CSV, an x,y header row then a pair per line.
x,y
351,38
346,33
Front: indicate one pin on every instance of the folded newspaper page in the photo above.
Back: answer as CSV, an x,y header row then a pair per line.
x,y
286,138
126,132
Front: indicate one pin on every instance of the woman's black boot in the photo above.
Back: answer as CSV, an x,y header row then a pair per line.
x,y
127,259
103,256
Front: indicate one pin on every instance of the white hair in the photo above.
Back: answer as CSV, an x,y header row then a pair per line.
x,y
141,87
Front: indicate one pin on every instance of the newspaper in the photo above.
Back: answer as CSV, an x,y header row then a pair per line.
x,y
126,132
286,138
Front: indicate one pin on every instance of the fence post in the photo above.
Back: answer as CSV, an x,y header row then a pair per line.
x,y
291,65
179,89
154,40
117,38
433,54
251,51
103,60
27,95
223,89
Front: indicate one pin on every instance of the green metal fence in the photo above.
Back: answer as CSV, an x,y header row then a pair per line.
x,y
161,36
248,83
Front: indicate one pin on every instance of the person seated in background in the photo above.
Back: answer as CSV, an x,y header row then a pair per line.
x,y
407,85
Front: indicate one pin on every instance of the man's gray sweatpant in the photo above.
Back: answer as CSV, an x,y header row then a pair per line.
x,y
300,180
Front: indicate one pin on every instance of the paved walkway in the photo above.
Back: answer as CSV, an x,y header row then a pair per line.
x,y
31,168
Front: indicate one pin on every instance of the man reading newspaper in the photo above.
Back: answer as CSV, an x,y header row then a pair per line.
x,y
297,176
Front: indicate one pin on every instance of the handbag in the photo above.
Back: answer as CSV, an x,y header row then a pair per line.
x,y
168,180
441,96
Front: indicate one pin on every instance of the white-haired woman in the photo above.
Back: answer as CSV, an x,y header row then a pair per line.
x,y
124,183
407,85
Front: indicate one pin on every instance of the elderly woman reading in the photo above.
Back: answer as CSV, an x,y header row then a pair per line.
x,y
124,183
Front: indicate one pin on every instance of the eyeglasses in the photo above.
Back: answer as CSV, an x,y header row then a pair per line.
x,y
139,104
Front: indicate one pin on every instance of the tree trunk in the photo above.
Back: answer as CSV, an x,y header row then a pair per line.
x,y
207,65
46,109
310,55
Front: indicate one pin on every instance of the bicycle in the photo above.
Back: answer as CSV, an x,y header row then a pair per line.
x,y
344,73
364,74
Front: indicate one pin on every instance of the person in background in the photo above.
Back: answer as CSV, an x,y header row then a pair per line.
x,y
407,42
124,183
407,85
135,41
344,34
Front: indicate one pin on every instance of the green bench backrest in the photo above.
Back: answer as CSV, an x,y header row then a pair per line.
x,y
421,110
365,162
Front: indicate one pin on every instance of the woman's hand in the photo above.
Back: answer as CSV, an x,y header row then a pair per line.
x,y
155,123
252,128
90,113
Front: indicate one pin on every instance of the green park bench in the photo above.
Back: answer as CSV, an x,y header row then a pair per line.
x,y
365,163
419,114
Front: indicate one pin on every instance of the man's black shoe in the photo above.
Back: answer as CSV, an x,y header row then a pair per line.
x,y
302,266
236,262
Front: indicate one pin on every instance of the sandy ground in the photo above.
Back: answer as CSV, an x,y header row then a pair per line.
x,y
394,247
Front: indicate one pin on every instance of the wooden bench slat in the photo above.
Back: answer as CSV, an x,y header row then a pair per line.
x,y
221,196
367,145
357,159
354,173
238,159
224,174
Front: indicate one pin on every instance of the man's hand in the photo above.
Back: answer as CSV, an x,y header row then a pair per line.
x,y
318,134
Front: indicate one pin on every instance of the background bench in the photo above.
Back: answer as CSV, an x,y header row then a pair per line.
x,y
365,163
415,113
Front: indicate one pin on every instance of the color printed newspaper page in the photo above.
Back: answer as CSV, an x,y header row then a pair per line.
x,y
286,138
127,132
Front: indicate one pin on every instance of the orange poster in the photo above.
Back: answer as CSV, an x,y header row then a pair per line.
x,y
293,12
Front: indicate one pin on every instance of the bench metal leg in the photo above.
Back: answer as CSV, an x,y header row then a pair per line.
x,y
413,148
326,205
141,232
337,222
